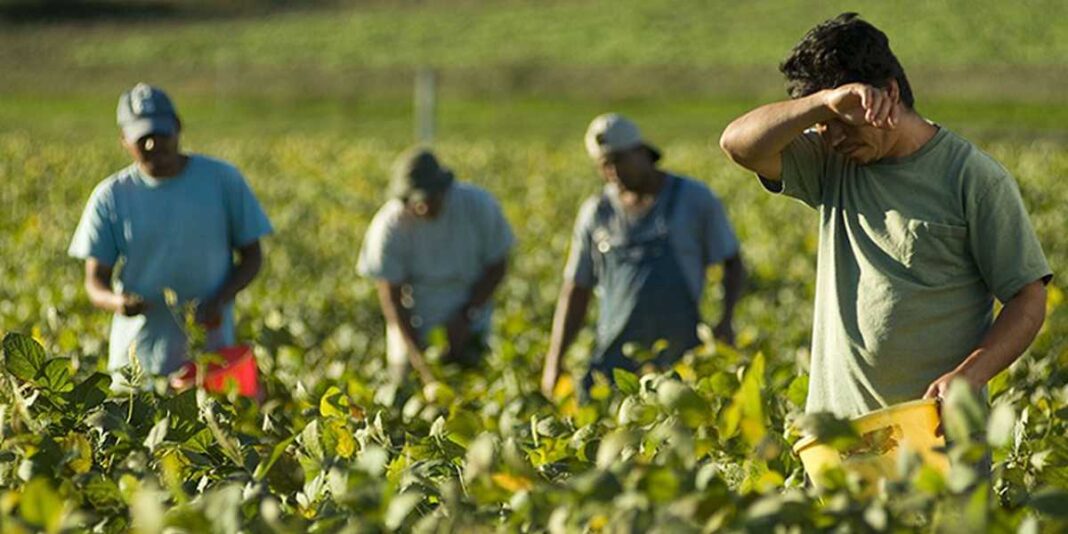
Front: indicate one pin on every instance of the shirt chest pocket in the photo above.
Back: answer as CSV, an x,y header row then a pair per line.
x,y
936,253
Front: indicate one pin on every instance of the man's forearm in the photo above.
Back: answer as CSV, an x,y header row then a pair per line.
x,y
486,285
395,314
250,261
103,298
733,285
1014,329
757,138
98,287
567,321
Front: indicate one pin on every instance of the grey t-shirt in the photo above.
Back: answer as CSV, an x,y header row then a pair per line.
x,y
699,231
177,233
912,253
440,258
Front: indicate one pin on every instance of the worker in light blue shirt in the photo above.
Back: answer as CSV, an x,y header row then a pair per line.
x,y
169,221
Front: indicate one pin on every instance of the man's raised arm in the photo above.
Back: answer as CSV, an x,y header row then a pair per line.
x,y
757,139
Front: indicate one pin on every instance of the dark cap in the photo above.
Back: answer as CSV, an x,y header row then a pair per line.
x,y
417,173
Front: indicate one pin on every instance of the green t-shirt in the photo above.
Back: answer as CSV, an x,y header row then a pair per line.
x,y
912,253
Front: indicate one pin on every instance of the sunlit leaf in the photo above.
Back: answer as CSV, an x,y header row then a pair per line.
x,y
400,508
512,483
55,376
23,357
41,506
626,381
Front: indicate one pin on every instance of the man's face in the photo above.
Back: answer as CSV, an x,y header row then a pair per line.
x,y
428,207
157,154
863,144
629,169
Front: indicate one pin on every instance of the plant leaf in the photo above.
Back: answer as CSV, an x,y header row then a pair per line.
x,y
90,393
23,356
55,376
626,381
400,507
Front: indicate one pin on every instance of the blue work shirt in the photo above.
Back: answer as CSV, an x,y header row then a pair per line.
x,y
178,233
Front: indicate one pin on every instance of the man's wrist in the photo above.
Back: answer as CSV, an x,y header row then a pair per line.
x,y
821,110
971,369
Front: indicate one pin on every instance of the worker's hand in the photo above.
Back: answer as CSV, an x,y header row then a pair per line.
x,y
421,369
132,305
858,104
209,314
940,387
458,331
724,332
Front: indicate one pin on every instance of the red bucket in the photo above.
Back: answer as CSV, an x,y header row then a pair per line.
x,y
239,369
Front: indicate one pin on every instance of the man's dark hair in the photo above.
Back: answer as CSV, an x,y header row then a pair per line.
x,y
843,50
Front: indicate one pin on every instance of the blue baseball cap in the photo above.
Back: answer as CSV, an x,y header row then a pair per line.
x,y
146,110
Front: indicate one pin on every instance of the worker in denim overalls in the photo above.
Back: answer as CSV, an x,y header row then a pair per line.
x,y
644,245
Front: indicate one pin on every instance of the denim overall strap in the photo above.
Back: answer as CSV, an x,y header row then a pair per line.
x,y
645,297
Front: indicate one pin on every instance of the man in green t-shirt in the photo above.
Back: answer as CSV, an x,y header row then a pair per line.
x,y
919,230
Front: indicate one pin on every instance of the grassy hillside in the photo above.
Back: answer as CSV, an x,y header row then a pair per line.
x,y
529,68
578,33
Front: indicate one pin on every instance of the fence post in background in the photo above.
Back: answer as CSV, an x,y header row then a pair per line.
x,y
224,75
425,104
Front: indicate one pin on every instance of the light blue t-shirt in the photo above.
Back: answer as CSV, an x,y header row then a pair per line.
x,y
699,231
177,233
440,258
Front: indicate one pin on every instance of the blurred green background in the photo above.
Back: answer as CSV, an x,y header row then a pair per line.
x,y
509,68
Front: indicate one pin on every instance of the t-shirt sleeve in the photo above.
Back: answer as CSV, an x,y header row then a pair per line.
x,y
1001,237
720,243
95,234
803,170
248,222
497,235
579,268
383,255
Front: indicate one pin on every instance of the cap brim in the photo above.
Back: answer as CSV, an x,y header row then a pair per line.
x,y
138,128
424,192
655,151
603,152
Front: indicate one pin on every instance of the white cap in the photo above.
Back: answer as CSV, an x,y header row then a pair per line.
x,y
613,132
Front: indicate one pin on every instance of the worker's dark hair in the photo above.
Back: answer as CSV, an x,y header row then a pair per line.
x,y
845,49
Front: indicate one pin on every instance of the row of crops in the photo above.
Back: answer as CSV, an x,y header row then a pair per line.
x,y
336,447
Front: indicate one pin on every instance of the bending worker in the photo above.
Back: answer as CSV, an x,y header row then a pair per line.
x,y
437,250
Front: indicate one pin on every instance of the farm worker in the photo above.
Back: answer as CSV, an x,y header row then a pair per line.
x,y
437,250
644,244
174,221
919,230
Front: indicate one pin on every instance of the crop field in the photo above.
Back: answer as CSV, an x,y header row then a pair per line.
x,y
334,446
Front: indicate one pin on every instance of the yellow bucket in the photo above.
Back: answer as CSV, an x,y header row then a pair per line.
x,y
885,433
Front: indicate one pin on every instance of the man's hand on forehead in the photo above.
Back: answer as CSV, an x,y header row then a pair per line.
x,y
858,104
